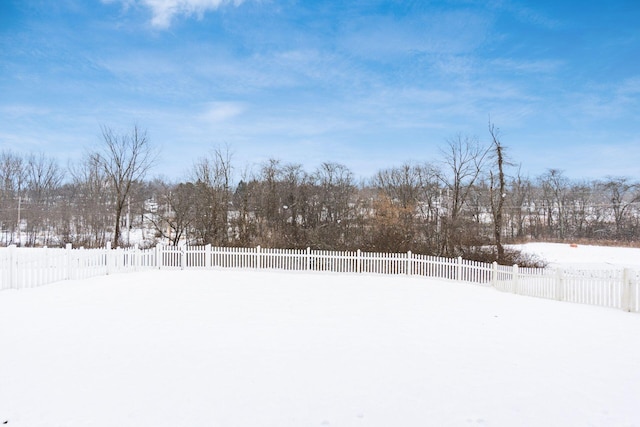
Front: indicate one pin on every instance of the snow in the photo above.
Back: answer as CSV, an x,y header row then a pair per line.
x,y
247,348
583,256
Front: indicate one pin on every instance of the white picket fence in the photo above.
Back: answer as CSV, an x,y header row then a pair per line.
x,y
29,267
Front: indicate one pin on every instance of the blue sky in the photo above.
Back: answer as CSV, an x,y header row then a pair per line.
x,y
370,84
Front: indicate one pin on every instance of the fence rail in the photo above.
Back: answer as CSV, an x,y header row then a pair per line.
x,y
29,267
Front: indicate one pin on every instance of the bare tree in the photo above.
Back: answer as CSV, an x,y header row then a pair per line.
x,y
176,211
12,186
44,178
555,187
212,177
296,205
400,184
622,194
125,158
406,201
92,202
463,161
497,187
243,222
578,208
334,188
429,207
268,201
519,205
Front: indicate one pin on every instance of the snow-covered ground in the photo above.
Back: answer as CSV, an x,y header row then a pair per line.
x,y
247,348
583,256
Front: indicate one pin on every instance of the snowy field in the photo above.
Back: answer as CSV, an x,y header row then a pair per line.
x,y
246,348
584,256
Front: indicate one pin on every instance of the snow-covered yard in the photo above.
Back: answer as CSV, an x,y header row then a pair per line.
x,y
247,348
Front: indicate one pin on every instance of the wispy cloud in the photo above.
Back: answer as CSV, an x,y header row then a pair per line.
x,y
164,11
527,66
384,36
217,112
608,102
374,81
18,111
525,14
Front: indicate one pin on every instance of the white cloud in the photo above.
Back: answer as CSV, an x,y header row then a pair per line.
x,y
23,110
384,36
163,11
528,66
217,112
606,102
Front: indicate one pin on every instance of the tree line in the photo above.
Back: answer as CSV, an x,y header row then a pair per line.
x,y
472,197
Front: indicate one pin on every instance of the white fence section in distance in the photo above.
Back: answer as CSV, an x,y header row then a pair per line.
x,y
31,267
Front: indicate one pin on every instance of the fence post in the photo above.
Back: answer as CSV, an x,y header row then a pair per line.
x,y
13,267
560,288
308,258
626,290
359,261
107,257
459,269
409,263
258,259
158,256
68,257
494,274
135,257
207,256
45,263
633,291
183,257
515,279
